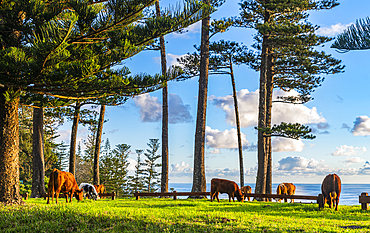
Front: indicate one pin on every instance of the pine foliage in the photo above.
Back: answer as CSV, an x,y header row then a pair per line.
x,y
151,175
136,182
113,170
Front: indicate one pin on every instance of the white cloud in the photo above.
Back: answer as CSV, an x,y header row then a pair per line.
x,y
280,144
224,139
150,109
248,109
348,150
297,163
362,126
181,169
333,29
351,160
247,103
215,151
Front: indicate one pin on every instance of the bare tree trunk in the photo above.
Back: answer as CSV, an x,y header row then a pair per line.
x,y
240,145
99,132
262,159
165,156
262,112
199,176
9,148
270,88
38,183
72,148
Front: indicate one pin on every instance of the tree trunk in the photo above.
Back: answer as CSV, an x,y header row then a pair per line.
x,y
199,176
9,148
72,148
165,157
97,146
262,159
240,145
38,183
270,89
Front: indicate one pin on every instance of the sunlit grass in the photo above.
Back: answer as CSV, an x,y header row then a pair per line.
x,y
183,215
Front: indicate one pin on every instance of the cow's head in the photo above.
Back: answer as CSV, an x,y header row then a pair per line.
x,y
79,194
239,195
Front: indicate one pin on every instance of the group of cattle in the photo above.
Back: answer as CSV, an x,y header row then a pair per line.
x,y
330,187
65,182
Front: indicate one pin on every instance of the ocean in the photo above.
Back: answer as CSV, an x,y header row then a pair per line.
x,y
349,194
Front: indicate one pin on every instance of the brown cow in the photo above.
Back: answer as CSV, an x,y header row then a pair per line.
x,y
63,182
287,189
100,189
330,188
225,186
245,190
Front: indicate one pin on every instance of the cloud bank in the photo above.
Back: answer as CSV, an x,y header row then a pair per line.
x,y
248,109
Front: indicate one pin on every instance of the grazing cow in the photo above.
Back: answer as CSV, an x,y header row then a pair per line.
x,y
330,188
90,190
63,182
245,190
287,189
225,186
100,189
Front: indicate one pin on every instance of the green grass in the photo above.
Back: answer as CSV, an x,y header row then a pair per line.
x,y
167,215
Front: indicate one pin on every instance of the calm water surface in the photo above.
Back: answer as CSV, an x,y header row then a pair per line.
x,y
348,196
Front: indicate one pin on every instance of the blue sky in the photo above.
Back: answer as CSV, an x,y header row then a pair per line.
x,y
339,113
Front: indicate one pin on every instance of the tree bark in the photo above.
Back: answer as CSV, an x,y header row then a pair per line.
x,y
270,89
72,148
240,145
165,156
9,148
38,182
262,111
262,159
199,176
96,174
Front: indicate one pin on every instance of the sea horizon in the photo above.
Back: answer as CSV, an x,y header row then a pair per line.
x,y
349,192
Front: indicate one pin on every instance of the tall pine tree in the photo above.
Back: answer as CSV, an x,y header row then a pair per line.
x,y
286,58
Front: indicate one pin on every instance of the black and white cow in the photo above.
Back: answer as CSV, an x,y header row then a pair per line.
x,y
89,189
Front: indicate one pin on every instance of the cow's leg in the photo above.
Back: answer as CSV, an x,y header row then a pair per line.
x,y
56,196
212,196
217,197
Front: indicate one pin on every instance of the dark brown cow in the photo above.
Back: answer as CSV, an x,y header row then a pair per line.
x,y
287,189
63,182
100,189
225,186
245,190
330,188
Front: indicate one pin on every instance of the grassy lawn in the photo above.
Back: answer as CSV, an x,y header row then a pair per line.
x,y
167,215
